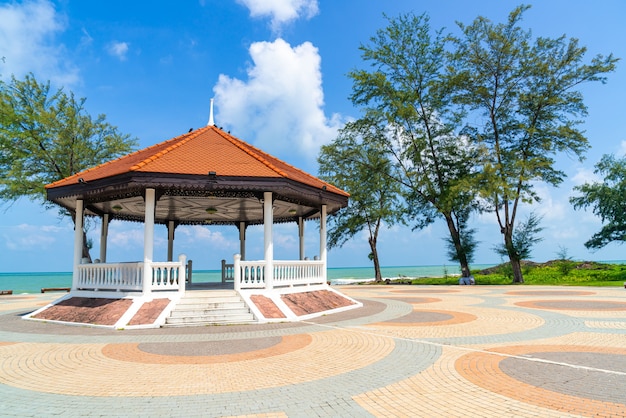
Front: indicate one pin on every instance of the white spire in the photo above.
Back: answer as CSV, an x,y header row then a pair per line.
x,y
211,121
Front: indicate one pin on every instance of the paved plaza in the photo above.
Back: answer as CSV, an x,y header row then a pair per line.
x,y
411,351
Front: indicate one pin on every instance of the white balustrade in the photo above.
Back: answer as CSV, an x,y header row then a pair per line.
x,y
298,272
166,276
251,274
110,276
128,277
228,272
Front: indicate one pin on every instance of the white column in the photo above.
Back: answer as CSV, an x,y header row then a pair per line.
x,y
242,240
237,272
148,241
104,233
78,242
268,223
323,255
170,240
301,236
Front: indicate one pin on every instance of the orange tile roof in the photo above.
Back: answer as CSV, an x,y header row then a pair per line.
x,y
197,153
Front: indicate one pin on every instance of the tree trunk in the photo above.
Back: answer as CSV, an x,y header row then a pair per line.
x,y
85,247
456,239
85,251
516,265
377,274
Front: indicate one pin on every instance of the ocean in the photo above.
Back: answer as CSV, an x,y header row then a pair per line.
x,y
34,282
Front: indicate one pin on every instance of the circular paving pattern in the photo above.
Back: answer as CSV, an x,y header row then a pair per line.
x,y
591,384
431,317
209,348
575,305
423,290
416,299
205,352
410,351
548,384
93,369
550,293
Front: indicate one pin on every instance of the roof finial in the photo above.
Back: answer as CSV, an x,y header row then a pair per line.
x,y
211,121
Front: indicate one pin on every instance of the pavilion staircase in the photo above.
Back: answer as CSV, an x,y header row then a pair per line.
x,y
209,307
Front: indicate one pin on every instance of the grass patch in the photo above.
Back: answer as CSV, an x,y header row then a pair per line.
x,y
551,273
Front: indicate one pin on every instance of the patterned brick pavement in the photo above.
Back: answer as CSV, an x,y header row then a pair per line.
x,y
411,351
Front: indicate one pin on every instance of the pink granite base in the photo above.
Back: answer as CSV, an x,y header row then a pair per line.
x,y
101,311
314,302
96,311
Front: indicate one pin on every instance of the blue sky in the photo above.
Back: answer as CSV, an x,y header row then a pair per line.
x,y
277,70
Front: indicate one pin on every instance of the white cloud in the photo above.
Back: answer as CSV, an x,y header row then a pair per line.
x,y
25,237
118,49
281,12
552,207
280,105
27,32
86,40
123,235
584,175
622,149
199,234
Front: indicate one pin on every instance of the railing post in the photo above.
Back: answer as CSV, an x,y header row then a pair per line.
x,y
182,259
189,271
237,272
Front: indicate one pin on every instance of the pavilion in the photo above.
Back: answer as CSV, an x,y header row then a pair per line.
x,y
205,176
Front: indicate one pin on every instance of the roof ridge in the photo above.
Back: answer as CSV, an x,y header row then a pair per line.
x,y
177,142
123,157
237,142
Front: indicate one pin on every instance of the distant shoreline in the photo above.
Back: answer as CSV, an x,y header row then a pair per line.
x,y
33,282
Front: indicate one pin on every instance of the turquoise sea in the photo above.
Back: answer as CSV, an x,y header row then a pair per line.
x,y
34,282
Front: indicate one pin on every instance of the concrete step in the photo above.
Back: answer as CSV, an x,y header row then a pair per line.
x,y
209,301
209,307
212,306
241,318
224,311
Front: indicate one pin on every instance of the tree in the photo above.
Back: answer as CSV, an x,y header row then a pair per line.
x,y
46,136
407,96
525,92
525,236
606,198
353,163
466,240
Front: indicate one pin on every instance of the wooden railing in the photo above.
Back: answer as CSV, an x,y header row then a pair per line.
x,y
251,274
128,277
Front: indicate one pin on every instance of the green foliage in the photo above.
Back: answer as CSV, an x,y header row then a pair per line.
x,y
406,97
467,240
355,163
46,136
525,105
525,237
564,262
606,198
582,274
